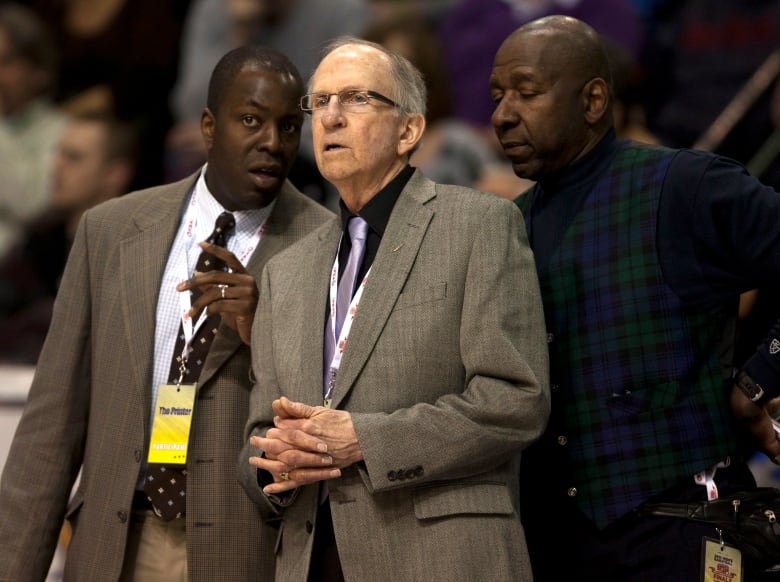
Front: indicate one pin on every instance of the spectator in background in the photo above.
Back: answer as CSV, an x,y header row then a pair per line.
x,y
210,29
430,10
30,125
627,88
473,30
701,55
95,161
297,28
452,151
120,57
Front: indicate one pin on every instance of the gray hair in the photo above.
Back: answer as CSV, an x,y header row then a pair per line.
x,y
408,83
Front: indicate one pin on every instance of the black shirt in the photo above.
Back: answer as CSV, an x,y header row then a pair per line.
x,y
376,212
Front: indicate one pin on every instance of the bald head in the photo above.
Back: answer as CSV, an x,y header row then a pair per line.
x,y
569,46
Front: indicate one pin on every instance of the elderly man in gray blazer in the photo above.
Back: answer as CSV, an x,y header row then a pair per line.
x,y
386,429
111,343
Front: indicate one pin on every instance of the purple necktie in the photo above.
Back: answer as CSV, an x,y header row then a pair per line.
x,y
357,234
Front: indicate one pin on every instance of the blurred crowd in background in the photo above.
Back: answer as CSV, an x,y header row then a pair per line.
x,y
101,97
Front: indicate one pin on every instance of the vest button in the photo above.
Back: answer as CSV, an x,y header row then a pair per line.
x,y
550,338
562,440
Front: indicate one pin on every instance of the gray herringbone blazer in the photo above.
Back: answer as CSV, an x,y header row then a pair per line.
x,y
90,401
445,374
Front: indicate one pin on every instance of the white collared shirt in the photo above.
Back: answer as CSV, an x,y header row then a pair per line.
x,y
185,248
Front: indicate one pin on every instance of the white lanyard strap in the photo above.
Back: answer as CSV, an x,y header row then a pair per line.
x,y
346,326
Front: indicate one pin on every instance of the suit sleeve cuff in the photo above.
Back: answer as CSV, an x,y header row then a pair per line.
x,y
763,368
279,499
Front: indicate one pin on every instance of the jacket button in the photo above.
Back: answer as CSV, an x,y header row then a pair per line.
x,y
309,526
122,516
571,492
562,440
391,476
554,387
401,475
419,471
410,474
550,338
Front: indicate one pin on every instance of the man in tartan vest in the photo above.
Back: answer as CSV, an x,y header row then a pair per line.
x,y
642,254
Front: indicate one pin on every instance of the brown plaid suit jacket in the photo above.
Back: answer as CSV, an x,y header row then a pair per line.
x,y
89,405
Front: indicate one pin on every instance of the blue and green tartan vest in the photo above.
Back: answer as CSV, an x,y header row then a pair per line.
x,y
641,398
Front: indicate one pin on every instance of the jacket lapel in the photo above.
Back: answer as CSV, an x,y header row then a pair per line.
x,y
314,310
276,237
142,259
400,244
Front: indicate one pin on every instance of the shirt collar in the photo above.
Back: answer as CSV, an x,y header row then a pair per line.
x,y
584,169
376,212
209,209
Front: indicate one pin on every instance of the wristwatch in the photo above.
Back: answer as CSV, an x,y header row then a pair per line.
x,y
750,388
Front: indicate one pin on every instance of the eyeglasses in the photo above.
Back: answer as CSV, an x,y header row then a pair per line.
x,y
354,100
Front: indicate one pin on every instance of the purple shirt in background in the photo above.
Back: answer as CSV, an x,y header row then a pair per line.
x,y
473,30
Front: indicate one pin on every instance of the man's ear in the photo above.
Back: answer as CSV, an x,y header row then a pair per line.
x,y
596,97
207,127
411,133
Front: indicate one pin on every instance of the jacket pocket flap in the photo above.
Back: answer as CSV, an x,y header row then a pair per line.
x,y
491,497
419,296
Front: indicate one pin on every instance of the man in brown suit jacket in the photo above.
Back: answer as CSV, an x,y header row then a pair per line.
x,y
110,347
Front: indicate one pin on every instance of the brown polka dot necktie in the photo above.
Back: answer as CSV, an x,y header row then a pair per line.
x,y
165,486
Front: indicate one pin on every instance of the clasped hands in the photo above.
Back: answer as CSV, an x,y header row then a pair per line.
x,y
307,444
231,294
